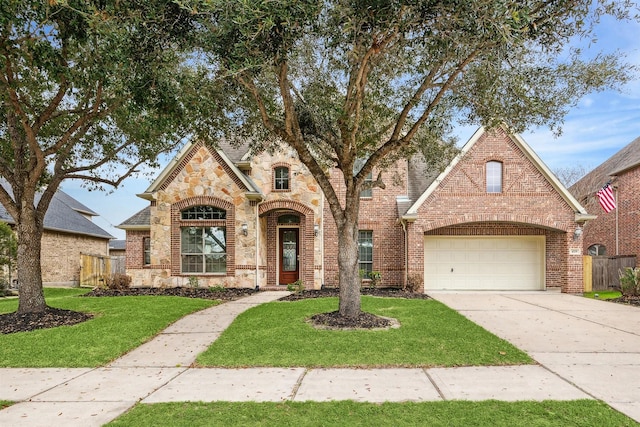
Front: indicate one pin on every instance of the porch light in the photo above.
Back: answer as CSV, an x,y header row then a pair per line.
x,y
245,229
316,230
577,233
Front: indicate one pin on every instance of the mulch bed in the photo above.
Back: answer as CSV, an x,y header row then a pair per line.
x,y
629,300
227,294
51,318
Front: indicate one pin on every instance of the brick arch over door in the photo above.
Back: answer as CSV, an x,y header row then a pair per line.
x,y
306,238
177,222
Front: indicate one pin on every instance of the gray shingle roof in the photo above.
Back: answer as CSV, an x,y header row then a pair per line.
x,y
65,214
628,157
117,245
140,219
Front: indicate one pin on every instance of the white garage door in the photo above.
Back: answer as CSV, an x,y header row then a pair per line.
x,y
484,263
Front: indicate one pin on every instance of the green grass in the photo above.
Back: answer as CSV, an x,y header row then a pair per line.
x,y
586,413
431,334
120,324
5,404
603,295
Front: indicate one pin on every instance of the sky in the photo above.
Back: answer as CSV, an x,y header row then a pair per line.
x,y
599,126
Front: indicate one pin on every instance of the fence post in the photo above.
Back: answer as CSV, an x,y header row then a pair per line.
x,y
587,273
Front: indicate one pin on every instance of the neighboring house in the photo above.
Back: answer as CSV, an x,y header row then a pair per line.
x,y
618,231
117,248
496,218
68,232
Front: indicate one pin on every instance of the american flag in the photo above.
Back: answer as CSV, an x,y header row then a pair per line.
x,y
606,198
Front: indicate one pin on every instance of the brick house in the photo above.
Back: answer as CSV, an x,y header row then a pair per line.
x,y
616,232
68,232
496,218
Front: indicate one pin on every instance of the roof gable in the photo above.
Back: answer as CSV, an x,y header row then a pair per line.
x,y
185,156
523,147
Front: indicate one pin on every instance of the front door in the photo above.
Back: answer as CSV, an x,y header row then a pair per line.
x,y
289,251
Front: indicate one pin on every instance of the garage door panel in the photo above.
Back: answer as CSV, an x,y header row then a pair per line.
x,y
484,262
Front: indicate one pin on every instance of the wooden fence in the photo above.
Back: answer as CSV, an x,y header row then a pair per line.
x,y
94,268
604,271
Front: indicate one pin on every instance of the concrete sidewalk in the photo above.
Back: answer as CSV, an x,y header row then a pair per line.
x,y
160,371
594,345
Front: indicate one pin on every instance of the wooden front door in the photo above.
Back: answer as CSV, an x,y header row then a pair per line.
x,y
289,255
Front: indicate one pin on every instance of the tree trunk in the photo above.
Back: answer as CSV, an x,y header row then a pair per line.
x,y
29,235
349,279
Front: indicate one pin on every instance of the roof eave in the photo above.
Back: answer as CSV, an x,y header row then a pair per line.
x,y
134,227
583,218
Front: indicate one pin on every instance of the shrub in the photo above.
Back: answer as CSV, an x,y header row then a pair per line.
x,y
630,281
297,286
4,288
375,278
414,283
117,281
194,282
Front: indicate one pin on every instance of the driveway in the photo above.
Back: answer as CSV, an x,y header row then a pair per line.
x,y
592,344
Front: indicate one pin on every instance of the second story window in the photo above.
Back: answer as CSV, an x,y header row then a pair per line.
x,y
368,193
494,177
281,178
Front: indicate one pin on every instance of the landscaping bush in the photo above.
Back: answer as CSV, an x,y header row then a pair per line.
x,y
117,281
630,281
414,282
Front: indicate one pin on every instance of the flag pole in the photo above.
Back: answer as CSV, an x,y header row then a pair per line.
x,y
615,196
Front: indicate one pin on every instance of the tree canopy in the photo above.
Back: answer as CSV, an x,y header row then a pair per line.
x,y
366,82
89,90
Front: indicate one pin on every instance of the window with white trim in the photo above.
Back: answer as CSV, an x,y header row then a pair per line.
x,y
494,177
203,249
597,250
365,252
281,178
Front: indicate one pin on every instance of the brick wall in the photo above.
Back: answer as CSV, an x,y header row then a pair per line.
x,y
602,230
60,256
528,203
378,214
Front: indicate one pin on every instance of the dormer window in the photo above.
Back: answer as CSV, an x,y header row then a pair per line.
x,y
281,178
494,177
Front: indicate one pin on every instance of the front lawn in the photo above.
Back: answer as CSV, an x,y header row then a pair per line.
x,y
120,324
431,334
603,295
585,413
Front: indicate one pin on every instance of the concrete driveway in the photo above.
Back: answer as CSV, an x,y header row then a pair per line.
x,y
592,344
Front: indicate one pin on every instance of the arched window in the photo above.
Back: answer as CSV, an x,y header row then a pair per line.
x,y
203,248
597,250
281,178
494,177
203,212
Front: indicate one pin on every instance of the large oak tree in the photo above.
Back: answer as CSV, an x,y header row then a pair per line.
x,y
356,84
89,90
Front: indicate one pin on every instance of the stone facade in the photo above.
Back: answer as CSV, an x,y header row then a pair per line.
x,y
531,203
204,178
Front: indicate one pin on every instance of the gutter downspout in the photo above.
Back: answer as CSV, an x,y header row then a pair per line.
x,y
405,276
258,244
321,233
615,200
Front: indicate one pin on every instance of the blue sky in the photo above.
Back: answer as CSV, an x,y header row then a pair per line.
x,y
599,126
